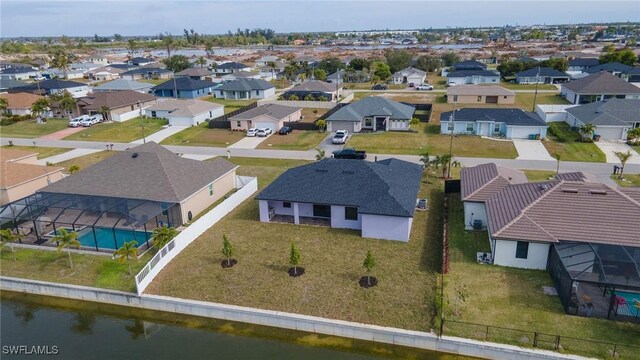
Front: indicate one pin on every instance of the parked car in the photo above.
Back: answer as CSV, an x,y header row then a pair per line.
x,y
75,122
424,87
87,122
267,130
340,137
252,132
349,153
285,130
411,85
379,87
261,133
97,118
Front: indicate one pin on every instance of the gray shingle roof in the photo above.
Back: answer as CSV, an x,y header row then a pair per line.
x,y
155,173
612,112
232,65
601,83
273,110
53,84
544,72
371,106
514,117
146,70
184,83
611,67
465,73
409,71
314,85
195,72
469,65
389,187
122,84
246,84
588,62
477,90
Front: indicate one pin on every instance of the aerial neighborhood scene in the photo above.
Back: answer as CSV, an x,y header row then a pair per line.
x,y
311,180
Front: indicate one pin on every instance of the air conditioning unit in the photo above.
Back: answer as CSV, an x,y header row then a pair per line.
x,y
477,224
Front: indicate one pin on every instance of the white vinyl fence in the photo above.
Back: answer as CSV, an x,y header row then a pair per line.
x,y
553,113
246,187
300,103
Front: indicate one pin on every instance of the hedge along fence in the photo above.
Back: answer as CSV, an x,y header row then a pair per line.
x,y
423,111
217,123
295,125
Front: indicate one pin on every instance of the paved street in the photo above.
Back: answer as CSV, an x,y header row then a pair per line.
x,y
161,135
248,142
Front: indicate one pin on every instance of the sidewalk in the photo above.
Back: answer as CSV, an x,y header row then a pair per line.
x,y
161,135
67,156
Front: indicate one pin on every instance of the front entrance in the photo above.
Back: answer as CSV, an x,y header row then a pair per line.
x,y
322,211
380,124
491,100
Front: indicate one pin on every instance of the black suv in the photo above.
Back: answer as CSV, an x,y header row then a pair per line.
x,y
285,130
379,87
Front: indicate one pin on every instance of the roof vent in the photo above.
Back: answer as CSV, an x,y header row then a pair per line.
x,y
134,155
322,170
348,172
543,187
570,190
598,192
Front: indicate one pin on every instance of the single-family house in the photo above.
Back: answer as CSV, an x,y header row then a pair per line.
x,y
599,86
314,89
63,74
21,174
373,113
240,75
470,65
98,59
6,85
184,88
508,123
196,73
409,75
18,73
20,103
272,116
121,84
185,112
148,73
461,77
123,105
141,61
55,86
613,118
632,75
244,89
265,60
377,198
542,75
109,72
272,71
231,67
581,64
480,94
615,68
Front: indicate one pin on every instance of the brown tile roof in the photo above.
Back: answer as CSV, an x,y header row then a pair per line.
x,y
14,173
145,172
480,182
601,83
632,192
8,154
20,100
565,211
113,99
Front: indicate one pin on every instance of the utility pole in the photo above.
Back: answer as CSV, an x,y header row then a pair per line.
x,y
535,94
144,140
452,118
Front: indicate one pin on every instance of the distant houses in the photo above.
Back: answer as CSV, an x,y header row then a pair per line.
x,y
184,88
480,94
597,87
246,89
373,113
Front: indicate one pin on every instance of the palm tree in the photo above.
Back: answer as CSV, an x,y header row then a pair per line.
x,y
66,102
40,107
3,105
557,157
201,61
321,124
425,160
74,169
104,110
132,46
227,249
319,154
8,237
624,157
443,160
587,130
414,121
162,236
167,42
633,136
66,240
272,65
61,59
128,251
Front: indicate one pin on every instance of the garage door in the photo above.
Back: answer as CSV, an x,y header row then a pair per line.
x,y
492,99
265,124
521,132
180,121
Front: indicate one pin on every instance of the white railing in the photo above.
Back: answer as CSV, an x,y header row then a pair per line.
x,y
552,113
246,186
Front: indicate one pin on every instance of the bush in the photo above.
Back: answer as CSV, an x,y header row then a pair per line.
x,y
12,119
562,133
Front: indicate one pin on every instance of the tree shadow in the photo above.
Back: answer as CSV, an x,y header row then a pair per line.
x,y
83,324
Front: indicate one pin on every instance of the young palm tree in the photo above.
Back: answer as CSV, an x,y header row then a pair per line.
x,y
162,236
201,61
66,240
40,106
128,251
272,65
414,122
369,263
624,157
587,130
104,111
8,237
319,154
557,157
444,161
321,124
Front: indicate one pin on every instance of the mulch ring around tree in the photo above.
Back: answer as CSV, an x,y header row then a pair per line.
x,y
368,283
299,271
229,264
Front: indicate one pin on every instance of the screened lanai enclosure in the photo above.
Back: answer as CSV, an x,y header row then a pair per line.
x,y
102,223
597,280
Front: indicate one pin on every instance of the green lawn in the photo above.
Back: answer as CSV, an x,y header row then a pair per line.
x,y
229,105
368,86
43,152
572,149
296,140
514,86
424,97
127,131
539,175
513,298
88,270
201,135
30,129
438,82
428,139
525,100
629,180
332,258
85,161
153,81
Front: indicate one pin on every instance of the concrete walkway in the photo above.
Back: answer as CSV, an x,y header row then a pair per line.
x,y
248,142
67,156
610,147
162,134
531,150
61,134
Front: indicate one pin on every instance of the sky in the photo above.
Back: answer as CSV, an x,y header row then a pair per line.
x,y
144,17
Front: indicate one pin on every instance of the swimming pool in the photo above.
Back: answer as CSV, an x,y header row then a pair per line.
x,y
108,238
629,308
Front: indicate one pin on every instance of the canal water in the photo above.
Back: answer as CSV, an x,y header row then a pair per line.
x,y
67,329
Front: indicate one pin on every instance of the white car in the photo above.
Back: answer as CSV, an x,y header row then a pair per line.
x,y
252,132
424,87
75,122
266,130
340,137
97,118
261,133
88,122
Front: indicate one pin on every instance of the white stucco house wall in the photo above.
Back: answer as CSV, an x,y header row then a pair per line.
x,y
501,123
185,112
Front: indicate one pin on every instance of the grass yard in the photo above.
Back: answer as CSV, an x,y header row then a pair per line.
x,y
127,131
332,258
153,81
428,139
201,135
43,152
525,100
230,105
423,97
30,129
629,180
296,140
438,82
308,115
514,86
368,86
89,270
539,175
513,298
571,149
85,161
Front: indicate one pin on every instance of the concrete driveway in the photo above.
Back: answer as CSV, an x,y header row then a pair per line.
x,y
248,142
610,147
531,150
328,147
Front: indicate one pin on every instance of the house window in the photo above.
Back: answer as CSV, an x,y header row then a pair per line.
x,y
238,123
479,98
455,97
522,250
505,97
496,127
257,92
350,213
153,114
286,205
368,122
211,189
322,211
469,127
449,126
132,108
